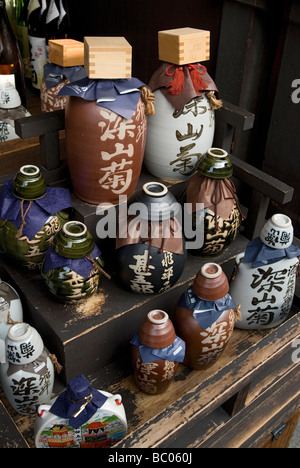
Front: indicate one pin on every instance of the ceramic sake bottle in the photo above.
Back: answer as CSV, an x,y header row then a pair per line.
x,y
30,215
156,353
106,123
27,376
11,311
150,251
80,417
186,97
264,278
73,267
218,216
204,317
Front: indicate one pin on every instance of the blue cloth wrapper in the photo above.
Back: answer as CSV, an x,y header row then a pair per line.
x,y
81,266
205,312
55,199
175,352
259,254
55,74
119,96
68,403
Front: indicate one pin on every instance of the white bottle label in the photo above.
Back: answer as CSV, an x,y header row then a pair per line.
x,y
38,58
33,5
52,12
62,12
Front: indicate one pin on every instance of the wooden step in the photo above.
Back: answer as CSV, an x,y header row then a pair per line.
x,y
92,333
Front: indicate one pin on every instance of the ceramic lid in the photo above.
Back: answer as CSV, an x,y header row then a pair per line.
x,y
277,232
215,164
29,183
157,330
155,202
74,240
211,282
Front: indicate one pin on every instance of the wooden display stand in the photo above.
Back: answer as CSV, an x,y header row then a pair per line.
x,y
238,402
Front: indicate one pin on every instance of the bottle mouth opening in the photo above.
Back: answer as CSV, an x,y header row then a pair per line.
x,y
155,189
74,229
158,317
217,152
29,169
211,270
18,331
281,220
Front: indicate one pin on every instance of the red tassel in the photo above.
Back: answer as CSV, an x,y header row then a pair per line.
x,y
175,87
198,83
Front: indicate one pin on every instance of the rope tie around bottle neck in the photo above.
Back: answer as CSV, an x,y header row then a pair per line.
x,y
196,72
23,216
148,99
58,367
97,266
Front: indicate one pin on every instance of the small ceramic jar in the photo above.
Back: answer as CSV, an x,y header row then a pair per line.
x,y
264,278
30,215
150,250
27,377
73,267
220,217
156,353
204,317
81,417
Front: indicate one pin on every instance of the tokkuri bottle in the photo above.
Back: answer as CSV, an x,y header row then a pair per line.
x,y
156,352
204,317
264,278
27,376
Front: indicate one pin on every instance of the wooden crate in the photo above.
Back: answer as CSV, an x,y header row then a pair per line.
x,y
66,52
107,57
184,45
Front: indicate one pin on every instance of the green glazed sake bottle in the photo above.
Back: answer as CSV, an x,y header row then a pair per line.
x,y
30,215
73,267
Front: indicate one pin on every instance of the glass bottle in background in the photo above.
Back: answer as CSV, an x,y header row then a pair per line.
x,y
11,65
52,19
63,21
22,35
37,11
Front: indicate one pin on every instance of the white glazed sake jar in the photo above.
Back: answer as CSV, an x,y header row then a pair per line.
x,y
264,279
27,376
11,309
177,139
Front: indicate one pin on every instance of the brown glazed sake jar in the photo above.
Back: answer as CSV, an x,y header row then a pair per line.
x,y
156,332
104,150
205,342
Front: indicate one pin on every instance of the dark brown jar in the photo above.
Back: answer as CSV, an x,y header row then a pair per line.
x,y
153,374
204,317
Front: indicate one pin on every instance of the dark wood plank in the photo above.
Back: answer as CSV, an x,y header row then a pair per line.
x,y
10,436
